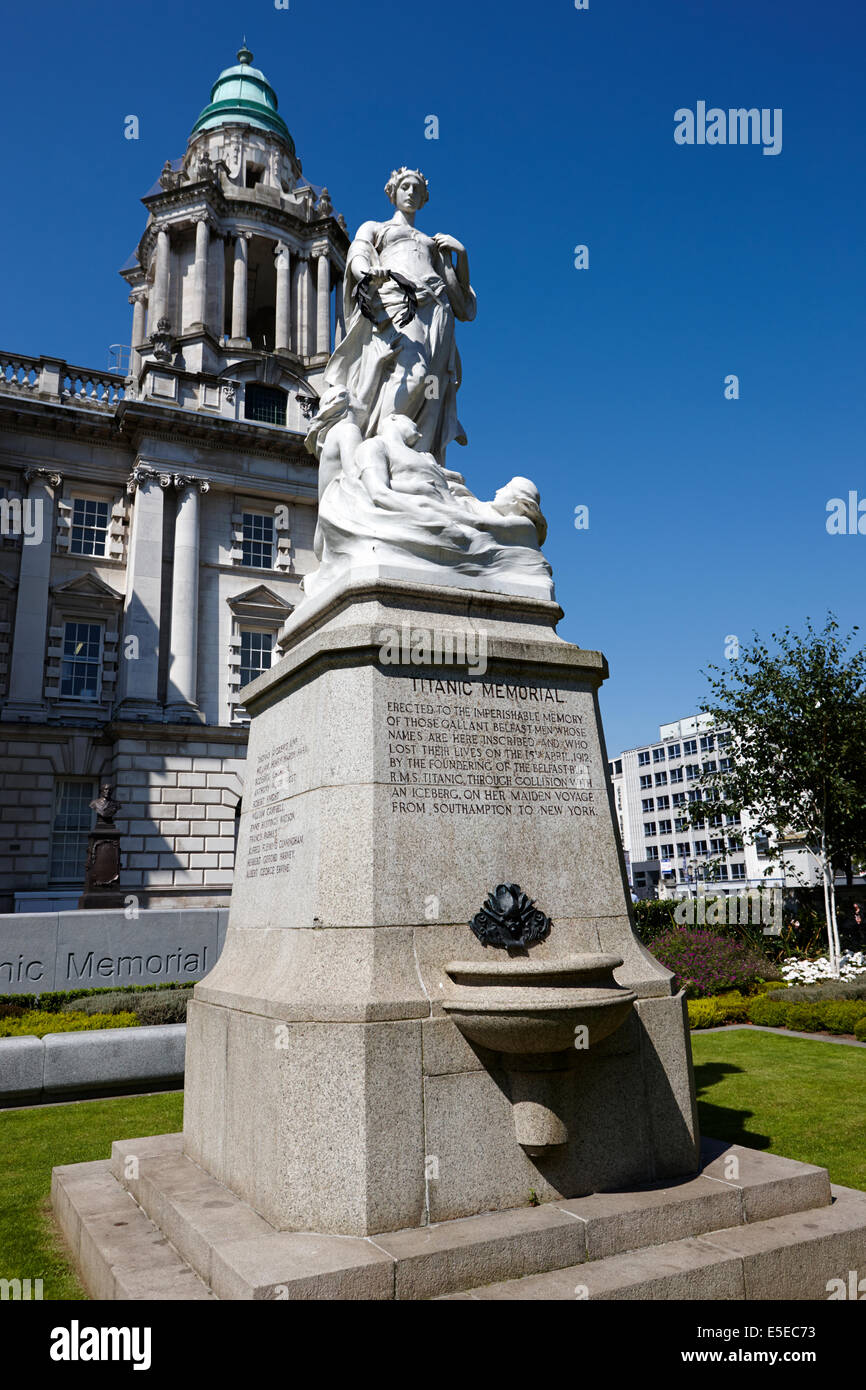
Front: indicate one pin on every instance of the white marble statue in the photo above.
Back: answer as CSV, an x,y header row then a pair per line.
x,y
388,413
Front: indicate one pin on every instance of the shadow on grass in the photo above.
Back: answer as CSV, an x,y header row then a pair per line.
x,y
721,1121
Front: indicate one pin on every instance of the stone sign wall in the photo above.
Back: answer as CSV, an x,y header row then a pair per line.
x,y
40,952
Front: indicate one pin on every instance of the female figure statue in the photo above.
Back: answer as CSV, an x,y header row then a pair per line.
x,y
403,292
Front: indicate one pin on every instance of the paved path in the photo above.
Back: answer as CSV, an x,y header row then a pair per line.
x,y
785,1032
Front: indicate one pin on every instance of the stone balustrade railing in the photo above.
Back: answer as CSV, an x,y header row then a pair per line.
x,y
50,378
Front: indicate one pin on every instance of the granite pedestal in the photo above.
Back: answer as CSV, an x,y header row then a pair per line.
x,y
328,1092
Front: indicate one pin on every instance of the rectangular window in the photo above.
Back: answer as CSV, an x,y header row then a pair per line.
x,y
82,659
642,759
647,804
710,765
694,796
658,755
680,824
89,526
72,821
661,779
673,750
652,852
725,764
664,827
722,870
646,781
700,847
733,820
690,746
724,740
649,827
258,541
738,871
708,743
667,851
716,822
266,404
256,649
684,849
717,846
735,844
679,798
663,803
676,774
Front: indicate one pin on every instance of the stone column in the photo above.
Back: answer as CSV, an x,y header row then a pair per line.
x,y
305,300
139,663
159,300
283,324
199,292
239,289
138,300
27,674
323,304
216,308
183,660
339,317
296,300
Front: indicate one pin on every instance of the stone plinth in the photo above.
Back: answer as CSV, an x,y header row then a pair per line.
x,y
386,797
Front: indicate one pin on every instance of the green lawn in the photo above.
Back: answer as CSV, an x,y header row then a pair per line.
x,y
800,1099
34,1141
789,1096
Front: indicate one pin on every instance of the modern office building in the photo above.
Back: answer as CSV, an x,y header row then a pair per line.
x,y
655,788
157,521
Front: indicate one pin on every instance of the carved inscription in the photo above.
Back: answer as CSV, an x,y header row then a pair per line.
x,y
275,834
472,748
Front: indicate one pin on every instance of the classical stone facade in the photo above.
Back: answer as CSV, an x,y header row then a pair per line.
x,y
156,526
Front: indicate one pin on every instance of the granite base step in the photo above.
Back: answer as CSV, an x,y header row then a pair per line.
x,y
149,1223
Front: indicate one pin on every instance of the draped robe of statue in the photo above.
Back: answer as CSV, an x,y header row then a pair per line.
x,y
387,413
413,369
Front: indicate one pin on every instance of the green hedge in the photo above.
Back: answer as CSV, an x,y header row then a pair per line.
x,y
820,1016
149,1006
53,1001
824,989
37,1022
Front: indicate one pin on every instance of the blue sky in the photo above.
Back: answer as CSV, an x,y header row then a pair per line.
x,y
707,516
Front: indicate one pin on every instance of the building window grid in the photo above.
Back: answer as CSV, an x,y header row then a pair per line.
x,y
676,774
257,541
264,404
72,821
90,522
256,653
82,660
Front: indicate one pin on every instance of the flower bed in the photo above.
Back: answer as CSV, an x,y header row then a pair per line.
x,y
807,972
706,964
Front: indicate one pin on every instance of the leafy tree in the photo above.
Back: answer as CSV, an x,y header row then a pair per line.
x,y
797,717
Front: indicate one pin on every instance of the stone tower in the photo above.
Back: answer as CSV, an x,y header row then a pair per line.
x,y
233,280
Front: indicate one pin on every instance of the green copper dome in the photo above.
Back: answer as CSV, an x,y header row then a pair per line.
x,y
243,95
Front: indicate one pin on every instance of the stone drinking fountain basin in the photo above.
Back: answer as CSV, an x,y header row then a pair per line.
x,y
540,1016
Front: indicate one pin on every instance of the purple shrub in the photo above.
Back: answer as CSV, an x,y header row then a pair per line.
x,y
706,964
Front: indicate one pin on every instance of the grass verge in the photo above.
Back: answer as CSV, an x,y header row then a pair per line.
x,y
34,1141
